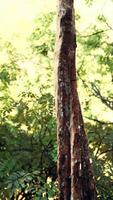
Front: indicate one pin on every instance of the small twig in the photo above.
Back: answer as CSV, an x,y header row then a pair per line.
x,y
96,33
101,122
107,151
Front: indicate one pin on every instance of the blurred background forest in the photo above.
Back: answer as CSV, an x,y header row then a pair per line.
x,y
28,147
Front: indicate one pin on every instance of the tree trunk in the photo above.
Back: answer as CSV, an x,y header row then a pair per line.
x,y
65,46
75,174
82,176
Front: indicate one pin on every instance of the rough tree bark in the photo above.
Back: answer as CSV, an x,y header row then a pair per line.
x,y
75,173
63,58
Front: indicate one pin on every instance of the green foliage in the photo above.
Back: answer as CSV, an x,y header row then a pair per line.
x,y
29,139
95,91
28,148
43,37
89,2
94,41
27,125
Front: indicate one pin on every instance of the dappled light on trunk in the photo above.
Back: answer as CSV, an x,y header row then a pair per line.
x,y
75,173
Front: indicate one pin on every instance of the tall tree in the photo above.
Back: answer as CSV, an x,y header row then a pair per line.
x,y
75,173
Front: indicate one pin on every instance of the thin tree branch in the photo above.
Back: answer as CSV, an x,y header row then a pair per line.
x,y
106,101
98,121
107,151
109,26
96,33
